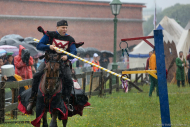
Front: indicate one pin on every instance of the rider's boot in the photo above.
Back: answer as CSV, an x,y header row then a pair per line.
x,y
35,85
32,101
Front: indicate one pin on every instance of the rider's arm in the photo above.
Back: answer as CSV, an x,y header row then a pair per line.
x,y
42,45
72,51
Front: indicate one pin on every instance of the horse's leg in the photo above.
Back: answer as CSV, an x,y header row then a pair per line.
x,y
45,120
64,122
53,122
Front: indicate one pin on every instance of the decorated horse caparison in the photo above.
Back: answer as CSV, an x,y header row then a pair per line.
x,y
49,97
50,94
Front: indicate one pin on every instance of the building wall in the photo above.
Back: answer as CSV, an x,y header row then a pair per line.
x,y
65,10
98,34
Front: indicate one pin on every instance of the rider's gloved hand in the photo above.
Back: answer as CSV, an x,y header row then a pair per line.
x,y
52,47
64,57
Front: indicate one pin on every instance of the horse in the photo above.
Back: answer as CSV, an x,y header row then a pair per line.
x,y
50,93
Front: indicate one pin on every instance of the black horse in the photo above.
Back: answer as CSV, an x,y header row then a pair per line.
x,y
49,96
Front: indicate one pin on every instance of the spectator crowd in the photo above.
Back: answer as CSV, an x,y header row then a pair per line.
x,y
24,66
181,63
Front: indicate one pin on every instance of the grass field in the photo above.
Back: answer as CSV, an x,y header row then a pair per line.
x,y
131,109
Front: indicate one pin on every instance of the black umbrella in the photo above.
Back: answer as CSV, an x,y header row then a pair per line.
x,y
81,51
30,40
108,53
13,36
32,49
91,51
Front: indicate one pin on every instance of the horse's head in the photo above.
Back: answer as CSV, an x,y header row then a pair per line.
x,y
52,72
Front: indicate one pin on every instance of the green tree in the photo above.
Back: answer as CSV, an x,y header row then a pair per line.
x,y
179,12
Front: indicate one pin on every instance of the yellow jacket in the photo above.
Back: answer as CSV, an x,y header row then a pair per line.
x,y
19,78
152,62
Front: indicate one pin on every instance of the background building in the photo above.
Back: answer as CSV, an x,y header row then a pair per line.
x,y
89,21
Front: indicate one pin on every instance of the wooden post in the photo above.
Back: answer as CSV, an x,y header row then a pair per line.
x,y
136,78
15,111
84,82
146,77
2,103
103,82
110,84
130,76
13,92
162,83
14,99
91,80
117,84
142,78
100,83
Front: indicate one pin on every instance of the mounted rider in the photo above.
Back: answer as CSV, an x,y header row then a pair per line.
x,y
48,42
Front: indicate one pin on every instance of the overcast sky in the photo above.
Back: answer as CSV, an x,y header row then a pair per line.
x,y
150,3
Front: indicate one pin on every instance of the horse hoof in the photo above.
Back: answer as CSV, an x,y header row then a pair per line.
x,y
53,124
45,125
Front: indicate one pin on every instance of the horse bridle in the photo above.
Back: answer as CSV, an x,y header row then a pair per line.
x,y
51,71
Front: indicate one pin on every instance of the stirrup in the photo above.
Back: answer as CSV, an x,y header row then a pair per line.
x,y
70,107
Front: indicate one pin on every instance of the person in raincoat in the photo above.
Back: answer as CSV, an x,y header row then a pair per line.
x,y
180,75
154,82
23,62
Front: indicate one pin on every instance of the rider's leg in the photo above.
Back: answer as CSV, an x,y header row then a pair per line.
x,y
35,85
67,86
67,82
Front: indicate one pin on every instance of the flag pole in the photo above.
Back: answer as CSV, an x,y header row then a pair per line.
x,y
154,21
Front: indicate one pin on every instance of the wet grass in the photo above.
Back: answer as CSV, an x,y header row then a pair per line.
x,y
131,109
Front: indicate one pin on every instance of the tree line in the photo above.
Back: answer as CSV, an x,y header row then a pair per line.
x,y
179,12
